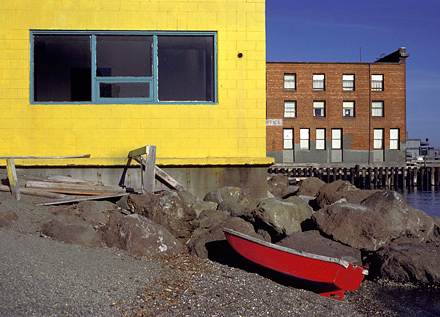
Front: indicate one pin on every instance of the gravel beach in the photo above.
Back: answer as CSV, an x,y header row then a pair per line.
x,y
43,277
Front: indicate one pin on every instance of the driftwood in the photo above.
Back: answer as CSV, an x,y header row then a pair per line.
x,y
34,192
12,176
76,189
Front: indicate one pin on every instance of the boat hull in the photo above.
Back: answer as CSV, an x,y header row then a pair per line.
x,y
327,276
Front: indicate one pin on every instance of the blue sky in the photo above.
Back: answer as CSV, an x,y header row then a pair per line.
x,y
338,30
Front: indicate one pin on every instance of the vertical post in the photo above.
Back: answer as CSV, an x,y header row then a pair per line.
x,y
150,169
12,176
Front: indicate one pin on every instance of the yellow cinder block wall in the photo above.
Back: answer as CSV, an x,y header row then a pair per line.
x,y
230,132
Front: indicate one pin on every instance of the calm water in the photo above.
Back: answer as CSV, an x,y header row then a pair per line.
x,y
426,201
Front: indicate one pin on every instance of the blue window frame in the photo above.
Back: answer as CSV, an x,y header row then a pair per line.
x,y
122,67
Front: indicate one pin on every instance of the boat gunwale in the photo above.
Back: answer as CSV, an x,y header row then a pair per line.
x,y
341,262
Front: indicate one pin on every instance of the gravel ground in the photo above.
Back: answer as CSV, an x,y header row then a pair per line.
x,y
43,277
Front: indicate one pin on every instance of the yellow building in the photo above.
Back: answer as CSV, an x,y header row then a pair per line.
x,y
105,77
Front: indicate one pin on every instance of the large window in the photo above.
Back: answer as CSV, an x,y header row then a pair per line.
x,y
318,82
348,108
289,109
320,139
348,82
289,81
378,139
304,139
336,139
123,67
376,82
319,109
394,139
377,109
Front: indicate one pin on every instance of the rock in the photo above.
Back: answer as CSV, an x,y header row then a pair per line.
x,y
72,229
435,235
279,186
238,209
7,218
210,218
167,210
187,197
330,193
199,206
279,218
197,245
310,186
374,223
225,195
93,211
139,236
313,242
415,263
123,203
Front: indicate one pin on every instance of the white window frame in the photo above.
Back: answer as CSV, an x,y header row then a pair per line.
x,y
394,139
287,139
348,82
336,139
290,81
320,139
319,105
348,109
377,109
304,139
377,82
290,109
378,139
318,82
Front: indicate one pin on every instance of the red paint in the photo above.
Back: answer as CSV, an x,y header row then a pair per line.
x,y
333,276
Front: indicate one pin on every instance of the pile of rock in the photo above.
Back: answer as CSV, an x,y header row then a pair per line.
x,y
369,227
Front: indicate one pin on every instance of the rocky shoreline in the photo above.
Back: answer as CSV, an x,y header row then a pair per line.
x,y
194,269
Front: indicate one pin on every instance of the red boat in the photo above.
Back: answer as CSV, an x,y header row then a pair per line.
x,y
324,275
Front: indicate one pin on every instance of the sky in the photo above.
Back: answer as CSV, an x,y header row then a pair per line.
x,y
359,30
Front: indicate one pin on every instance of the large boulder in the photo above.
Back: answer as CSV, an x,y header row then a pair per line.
x,y
139,236
200,206
333,192
168,210
313,242
204,241
95,212
279,186
435,235
279,218
72,229
374,223
416,263
310,186
225,195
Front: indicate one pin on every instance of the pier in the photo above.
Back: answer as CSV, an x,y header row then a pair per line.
x,y
423,177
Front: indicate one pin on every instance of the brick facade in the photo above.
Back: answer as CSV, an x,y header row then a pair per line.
x,y
358,130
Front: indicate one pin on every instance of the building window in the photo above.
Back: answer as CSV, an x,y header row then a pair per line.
x,y
123,67
289,109
319,108
394,139
348,108
287,139
304,139
377,109
320,139
318,82
376,82
348,82
289,81
336,139
378,139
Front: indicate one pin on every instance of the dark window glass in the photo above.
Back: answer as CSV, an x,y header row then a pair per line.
x,y
124,90
186,68
125,55
62,68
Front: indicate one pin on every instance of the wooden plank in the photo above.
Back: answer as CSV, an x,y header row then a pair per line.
x,y
46,157
138,152
74,187
34,192
78,199
70,179
12,176
150,169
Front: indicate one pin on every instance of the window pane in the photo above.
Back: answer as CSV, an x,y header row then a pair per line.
x,y
289,81
336,133
289,109
320,144
288,144
320,133
124,55
62,68
377,134
288,134
336,144
304,144
124,90
304,133
394,134
394,144
186,68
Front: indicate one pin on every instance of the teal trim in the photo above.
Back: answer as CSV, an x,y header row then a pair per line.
x,y
95,80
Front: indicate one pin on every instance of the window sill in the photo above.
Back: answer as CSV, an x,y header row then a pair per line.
x,y
347,117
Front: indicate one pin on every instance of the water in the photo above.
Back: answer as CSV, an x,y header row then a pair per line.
x,y
427,201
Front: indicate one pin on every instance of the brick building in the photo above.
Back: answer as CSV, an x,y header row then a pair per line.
x,y
337,113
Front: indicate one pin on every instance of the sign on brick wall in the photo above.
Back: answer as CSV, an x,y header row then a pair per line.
x,y
274,122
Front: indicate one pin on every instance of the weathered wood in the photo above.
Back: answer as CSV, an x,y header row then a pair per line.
x,y
45,157
67,187
150,169
138,152
12,176
78,199
34,192
69,179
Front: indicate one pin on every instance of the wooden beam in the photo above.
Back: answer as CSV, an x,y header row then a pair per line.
x,y
45,157
34,192
65,187
78,199
138,152
150,169
12,176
